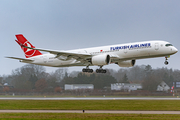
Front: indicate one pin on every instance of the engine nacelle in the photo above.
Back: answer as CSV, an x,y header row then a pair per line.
x,y
127,63
101,60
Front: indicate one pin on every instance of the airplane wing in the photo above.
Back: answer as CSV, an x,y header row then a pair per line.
x,y
63,53
22,59
66,55
59,53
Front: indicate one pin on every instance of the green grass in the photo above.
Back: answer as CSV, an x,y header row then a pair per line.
x,y
81,116
62,96
171,105
163,105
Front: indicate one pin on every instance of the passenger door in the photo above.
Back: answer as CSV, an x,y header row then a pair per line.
x,y
156,46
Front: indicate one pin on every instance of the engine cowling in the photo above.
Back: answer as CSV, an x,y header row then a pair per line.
x,y
101,60
127,63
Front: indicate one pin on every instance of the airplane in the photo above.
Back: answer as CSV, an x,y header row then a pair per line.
x,y
124,55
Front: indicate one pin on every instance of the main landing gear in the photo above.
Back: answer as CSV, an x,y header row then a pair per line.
x,y
166,62
100,70
87,70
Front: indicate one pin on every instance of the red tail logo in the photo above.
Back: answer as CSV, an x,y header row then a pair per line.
x,y
28,52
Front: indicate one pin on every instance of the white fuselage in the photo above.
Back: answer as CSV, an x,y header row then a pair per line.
x,y
122,52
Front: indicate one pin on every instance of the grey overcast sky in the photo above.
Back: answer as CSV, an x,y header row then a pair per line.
x,y
72,24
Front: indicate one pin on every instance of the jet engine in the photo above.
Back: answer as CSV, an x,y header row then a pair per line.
x,y
101,60
127,63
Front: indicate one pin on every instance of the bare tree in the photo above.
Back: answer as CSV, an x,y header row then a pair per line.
x,y
74,74
41,85
57,89
151,82
26,76
60,73
6,89
120,74
36,70
124,79
1,80
136,73
52,81
21,82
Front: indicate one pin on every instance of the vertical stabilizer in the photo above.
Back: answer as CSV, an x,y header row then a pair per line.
x,y
21,40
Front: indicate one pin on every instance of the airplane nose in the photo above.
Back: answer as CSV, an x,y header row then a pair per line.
x,y
175,50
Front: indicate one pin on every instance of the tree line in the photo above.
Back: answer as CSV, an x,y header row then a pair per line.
x,y
35,78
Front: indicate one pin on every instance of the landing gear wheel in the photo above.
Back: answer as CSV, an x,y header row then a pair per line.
x,y
84,70
87,70
104,71
100,71
166,62
97,71
90,71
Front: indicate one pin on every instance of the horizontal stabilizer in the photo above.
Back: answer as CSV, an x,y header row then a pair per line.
x,y
22,59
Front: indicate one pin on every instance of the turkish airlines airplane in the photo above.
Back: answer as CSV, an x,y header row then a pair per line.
x,y
124,55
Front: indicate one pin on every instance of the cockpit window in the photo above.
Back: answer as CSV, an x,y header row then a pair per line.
x,y
167,45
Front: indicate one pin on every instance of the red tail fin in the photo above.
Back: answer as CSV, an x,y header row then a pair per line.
x,y
28,52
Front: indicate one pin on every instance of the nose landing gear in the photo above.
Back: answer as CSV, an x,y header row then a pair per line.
x,y
166,62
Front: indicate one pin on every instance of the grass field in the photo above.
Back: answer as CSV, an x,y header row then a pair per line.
x,y
162,105
75,116
57,96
